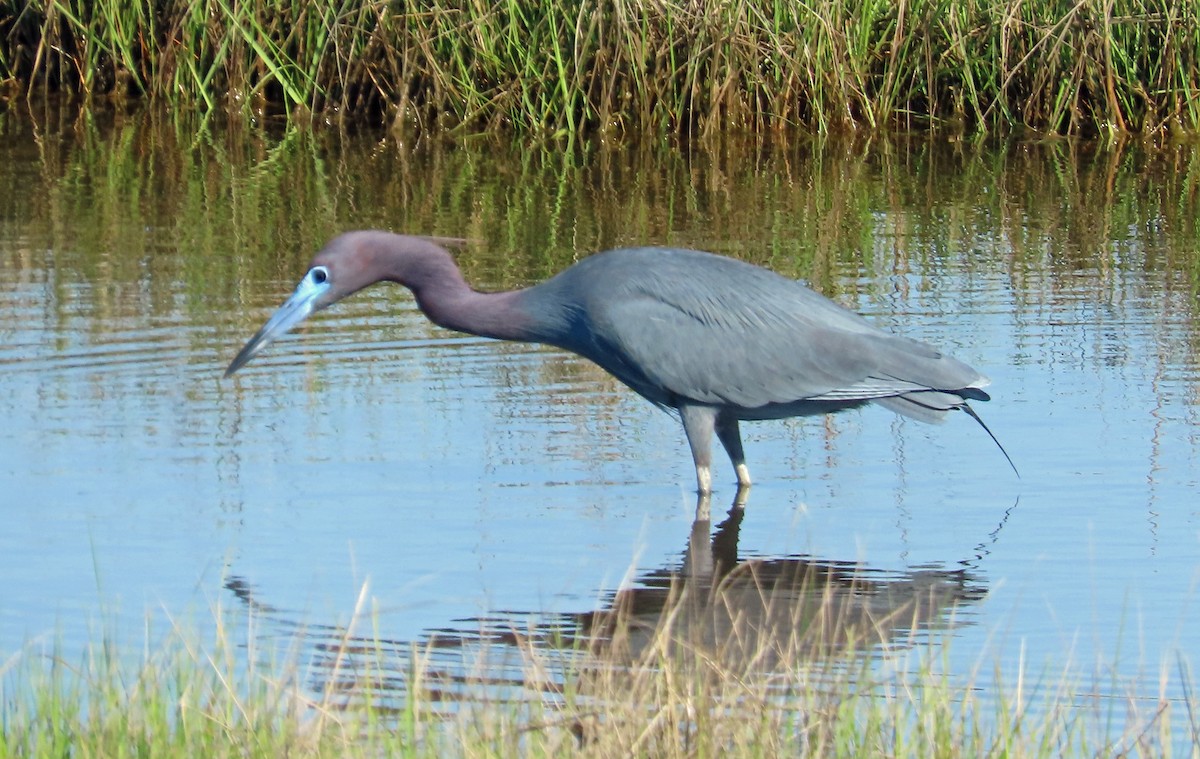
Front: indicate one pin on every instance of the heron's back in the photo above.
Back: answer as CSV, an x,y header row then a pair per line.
x,y
682,326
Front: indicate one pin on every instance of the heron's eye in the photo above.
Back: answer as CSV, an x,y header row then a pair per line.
x,y
319,275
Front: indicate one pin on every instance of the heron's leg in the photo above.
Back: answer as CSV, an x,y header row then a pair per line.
x,y
730,437
698,425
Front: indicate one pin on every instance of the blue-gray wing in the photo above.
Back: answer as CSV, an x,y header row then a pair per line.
x,y
692,326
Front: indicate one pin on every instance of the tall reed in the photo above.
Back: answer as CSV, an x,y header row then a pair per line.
x,y
669,66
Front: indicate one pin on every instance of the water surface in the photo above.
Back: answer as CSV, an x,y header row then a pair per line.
x,y
462,481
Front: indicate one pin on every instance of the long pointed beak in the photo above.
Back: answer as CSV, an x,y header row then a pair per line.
x,y
294,310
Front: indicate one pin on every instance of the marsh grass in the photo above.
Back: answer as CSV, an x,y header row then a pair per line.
x,y
628,66
842,681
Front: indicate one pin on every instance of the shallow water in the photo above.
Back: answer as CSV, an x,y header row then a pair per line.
x,y
465,481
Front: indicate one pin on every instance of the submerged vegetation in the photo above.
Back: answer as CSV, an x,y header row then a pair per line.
x,y
668,66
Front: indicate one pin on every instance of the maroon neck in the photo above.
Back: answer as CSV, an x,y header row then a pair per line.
x,y
445,297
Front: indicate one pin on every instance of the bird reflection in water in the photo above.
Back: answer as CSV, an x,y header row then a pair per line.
x,y
756,619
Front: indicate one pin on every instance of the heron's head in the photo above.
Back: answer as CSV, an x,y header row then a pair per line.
x,y
347,264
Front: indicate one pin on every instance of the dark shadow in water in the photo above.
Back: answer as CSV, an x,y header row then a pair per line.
x,y
742,615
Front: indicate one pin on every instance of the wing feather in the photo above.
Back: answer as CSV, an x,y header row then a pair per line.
x,y
684,325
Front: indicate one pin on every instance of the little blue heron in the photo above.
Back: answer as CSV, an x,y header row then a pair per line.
x,y
717,339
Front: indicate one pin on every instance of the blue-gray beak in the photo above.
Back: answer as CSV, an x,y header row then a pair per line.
x,y
305,300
